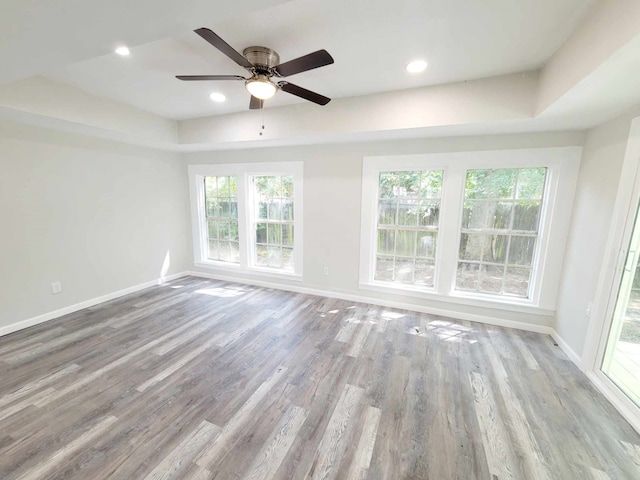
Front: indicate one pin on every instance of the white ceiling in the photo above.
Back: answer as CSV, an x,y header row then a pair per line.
x,y
370,40
38,36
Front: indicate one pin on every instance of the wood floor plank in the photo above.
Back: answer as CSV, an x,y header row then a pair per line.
x,y
536,465
632,451
330,450
598,474
147,433
59,456
28,342
180,339
60,341
179,460
360,338
217,448
180,363
364,451
37,384
196,472
519,343
500,456
268,461
117,363
348,328
290,314
494,363
394,382
500,343
245,327
249,440
10,410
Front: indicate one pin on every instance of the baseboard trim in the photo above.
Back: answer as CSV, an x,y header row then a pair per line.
x,y
602,384
569,352
14,327
45,317
616,398
531,327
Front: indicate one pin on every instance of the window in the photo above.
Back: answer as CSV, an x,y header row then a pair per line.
x,y
500,220
221,210
469,227
273,222
407,229
248,217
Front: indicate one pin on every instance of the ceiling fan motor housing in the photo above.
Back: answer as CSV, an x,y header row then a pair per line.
x,y
262,58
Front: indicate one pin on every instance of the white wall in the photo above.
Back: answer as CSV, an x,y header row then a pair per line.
x,y
477,102
48,98
598,180
95,215
332,198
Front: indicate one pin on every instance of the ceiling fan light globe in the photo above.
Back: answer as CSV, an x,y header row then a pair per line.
x,y
261,88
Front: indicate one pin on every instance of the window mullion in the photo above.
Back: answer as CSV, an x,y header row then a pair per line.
x,y
395,235
245,233
202,207
448,233
506,263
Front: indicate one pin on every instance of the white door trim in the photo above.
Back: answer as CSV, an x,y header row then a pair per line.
x,y
621,228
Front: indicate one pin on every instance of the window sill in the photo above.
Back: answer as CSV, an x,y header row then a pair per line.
x,y
459,298
253,271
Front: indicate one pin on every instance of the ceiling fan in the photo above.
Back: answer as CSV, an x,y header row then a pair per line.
x,y
263,64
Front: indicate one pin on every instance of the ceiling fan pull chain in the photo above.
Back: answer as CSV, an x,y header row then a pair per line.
x,y
262,118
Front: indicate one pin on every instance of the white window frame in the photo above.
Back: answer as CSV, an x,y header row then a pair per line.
x,y
562,166
246,213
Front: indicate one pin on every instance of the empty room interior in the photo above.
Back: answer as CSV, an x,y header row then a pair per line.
x,y
320,240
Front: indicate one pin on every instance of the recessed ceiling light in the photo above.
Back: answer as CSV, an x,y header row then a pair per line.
x,y
123,51
217,97
417,66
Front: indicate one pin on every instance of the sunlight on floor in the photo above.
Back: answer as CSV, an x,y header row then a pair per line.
x,y
447,331
354,320
221,292
451,332
324,314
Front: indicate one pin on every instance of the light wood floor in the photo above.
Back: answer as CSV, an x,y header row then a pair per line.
x,y
202,379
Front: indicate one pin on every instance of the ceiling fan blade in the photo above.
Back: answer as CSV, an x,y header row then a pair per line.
x,y
224,47
209,77
256,103
304,93
303,64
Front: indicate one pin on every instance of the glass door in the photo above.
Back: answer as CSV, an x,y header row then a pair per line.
x,y
621,361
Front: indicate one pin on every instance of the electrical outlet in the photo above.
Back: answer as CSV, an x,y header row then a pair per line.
x,y
56,287
589,309
325,270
